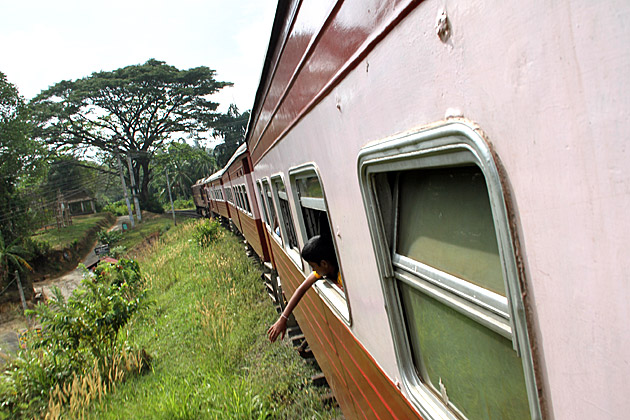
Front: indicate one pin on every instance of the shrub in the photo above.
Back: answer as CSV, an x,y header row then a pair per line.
x,y
110,238
82,331
180,204
118,251
206,232
37,248
119,208
152,205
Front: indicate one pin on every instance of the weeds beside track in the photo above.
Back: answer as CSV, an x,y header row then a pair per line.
x,y
205,330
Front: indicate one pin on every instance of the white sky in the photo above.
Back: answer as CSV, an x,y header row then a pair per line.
x,y
45,41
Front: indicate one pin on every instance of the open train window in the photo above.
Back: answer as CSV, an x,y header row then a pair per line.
x,y
313,220
286,220
274,226
248,207
239,197
440,229
263,204
230,194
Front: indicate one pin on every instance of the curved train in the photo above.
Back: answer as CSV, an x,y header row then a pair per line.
x,y
470,162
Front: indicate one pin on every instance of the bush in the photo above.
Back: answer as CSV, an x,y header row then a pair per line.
x,y
82,331
152,205
118,251
36,248
206,232
119,208
110,237
180,204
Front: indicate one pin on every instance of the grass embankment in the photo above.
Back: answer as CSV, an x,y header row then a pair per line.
x,y
205,330
152,225
60,250
68,236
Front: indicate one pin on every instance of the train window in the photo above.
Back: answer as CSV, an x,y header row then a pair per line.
x,y
239,190
237,196
440,229
313,220
274,225
286,220
246,199
265,214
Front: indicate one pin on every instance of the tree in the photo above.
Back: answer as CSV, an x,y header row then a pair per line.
x,y
20,158
11,257
185,164
134,111
231,127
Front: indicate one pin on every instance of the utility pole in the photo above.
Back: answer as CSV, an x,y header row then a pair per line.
x,y
124,187
134,189
168,184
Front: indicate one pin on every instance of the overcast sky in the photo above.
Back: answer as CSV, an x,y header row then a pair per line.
x,y
45,41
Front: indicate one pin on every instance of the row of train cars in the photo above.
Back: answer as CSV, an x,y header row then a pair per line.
x,y
471,162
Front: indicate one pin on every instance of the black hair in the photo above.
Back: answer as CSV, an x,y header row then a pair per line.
x,y
320,248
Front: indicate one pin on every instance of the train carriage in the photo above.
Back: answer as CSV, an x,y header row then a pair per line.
x,y
218,195
469,161
245,215
199,199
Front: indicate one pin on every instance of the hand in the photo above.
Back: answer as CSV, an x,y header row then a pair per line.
x,y
279,328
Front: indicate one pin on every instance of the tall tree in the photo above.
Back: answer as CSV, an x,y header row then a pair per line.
x,y
134,111
185,164
19,159
231,128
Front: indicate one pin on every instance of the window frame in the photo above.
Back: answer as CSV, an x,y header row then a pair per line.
x,y
248,206
293,253
446,145
335,297
273,211
259,190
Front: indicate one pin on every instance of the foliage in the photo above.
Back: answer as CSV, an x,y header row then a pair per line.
x,y
134,110
179,204
184,204
111,237
36,248
82,331
20,158
117,251
11,257
231,127
151,204
118,208
185,164
206,330
206,232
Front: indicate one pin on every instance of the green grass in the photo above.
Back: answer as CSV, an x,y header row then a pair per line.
x,y
205,329
150,224
65,237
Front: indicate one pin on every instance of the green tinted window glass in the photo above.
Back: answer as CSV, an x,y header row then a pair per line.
x,y
445,221
479,370
310,187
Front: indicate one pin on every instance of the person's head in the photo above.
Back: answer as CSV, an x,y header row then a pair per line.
x,y
319,252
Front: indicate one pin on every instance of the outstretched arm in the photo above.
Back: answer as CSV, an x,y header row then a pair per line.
x,y
280,327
